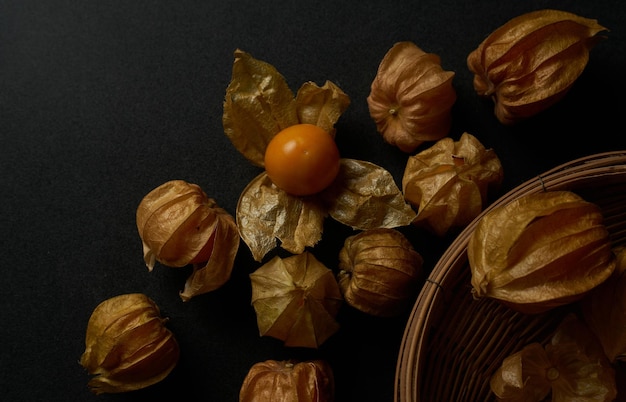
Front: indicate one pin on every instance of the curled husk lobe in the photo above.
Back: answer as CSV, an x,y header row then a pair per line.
x,y
411,97
532,61
127,346
379,272
449,182
179,225
540,251
289,380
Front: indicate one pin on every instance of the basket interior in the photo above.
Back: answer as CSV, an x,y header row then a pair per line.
x,y
452,343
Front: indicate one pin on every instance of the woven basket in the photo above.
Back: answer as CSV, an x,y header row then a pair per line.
x,y
452,343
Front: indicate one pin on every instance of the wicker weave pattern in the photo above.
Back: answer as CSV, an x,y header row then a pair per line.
x,y
452,344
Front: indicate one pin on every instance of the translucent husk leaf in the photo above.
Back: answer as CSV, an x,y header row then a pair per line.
x,y
571,367
288,380
266,214
584,372
177,223
127,346
296,300
449,182
540,251
604,311
259,104
531,62
321,106
217,270
522,377
411,97
365,196
379,272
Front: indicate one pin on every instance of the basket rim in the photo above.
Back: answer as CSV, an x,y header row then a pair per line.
x,y
411,353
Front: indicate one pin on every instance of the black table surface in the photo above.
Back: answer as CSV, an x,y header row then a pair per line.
x,y
102,101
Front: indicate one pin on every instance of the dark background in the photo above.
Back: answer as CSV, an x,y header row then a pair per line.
x,y
102,101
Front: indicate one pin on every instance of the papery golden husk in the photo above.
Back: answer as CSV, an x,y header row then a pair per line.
x,y
604,311
127,346
259,104
363,196
289,380
296,300
379,272
571,367
411,97
449,183
177,222
540,251
532,61
522,376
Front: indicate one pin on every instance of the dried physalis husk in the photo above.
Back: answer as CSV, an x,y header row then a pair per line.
x,y
379,272
604,311
179,225
530,63
259,104
127,346
540,251
411,97
296,300
289,380
571,367
449,182
363,196
523,376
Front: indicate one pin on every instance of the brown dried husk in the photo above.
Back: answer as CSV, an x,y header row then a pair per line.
x,y
259,104
289,380
571,367
296,300
175,222
453,343
411,97
540,251
604,311
449,182
379,272
363,196
127,346
532,61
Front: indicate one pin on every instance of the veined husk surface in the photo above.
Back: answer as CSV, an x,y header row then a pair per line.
x,y
177,221
296,300
289,380
531,62
540,251
127,346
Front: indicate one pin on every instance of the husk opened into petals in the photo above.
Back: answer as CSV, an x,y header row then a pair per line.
x,y
540,251
449,182
179,225
362,195
296,300
532,61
